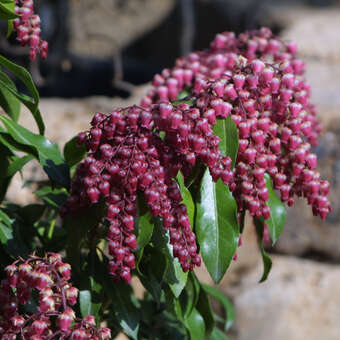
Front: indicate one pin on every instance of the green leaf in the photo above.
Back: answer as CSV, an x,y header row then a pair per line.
x,y
204,307
48,153
6,233
189,296
145,223
217,226
73,153
227,305
153,268
217,334
9,28
85,303
7,140
175,276
77,226
195,325
87,307
277,219
8,101
183,94
187,199
5,218
17,164
25,77
227,131
125,312
53,197
7,11
267,262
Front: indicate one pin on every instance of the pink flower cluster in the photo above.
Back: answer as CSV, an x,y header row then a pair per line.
x,y
28,29
256,79
126,156
48,278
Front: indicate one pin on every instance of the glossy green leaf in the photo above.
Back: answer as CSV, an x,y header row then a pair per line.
x,y
85,303
277,219
7,140
217,226
223,300
48,153
175,276
204,307
195,325
267,262
217,334
17,164
7,11
8,101
87,307
227,131
189,296
187,199
144,223
6,233
5,218
73,153
31,103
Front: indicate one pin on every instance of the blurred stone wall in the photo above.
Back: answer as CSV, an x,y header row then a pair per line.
x,y
102,28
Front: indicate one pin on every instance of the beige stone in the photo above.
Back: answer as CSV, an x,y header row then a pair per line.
x,y
315,30
102,28
300,300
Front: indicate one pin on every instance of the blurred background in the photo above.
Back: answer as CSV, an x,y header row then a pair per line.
x,y
104,53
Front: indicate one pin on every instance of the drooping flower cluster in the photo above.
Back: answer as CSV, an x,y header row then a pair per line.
x,y
126,156
257,79
28,29
48,279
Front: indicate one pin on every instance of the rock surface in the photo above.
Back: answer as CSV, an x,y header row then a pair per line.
x,y
300,300
102,28
315,32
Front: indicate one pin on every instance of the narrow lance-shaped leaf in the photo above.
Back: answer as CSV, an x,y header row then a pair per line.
x,y
195,325
87,307
6,233
217,334
175,276
144,223
223,300
217,226
227,131
9,102
187,199
267,262
277,219
204,308
25,77
48,154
